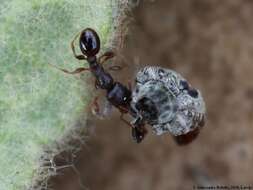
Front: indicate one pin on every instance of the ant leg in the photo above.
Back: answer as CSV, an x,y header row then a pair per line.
x,y
95,106
96,85
107,55
100,113
79,57
124,120
78,70
115,68
138,132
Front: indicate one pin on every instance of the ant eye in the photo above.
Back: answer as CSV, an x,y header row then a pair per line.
x,y
89,42
125,98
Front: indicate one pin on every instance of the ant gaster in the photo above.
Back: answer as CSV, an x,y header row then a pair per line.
x,y
116,93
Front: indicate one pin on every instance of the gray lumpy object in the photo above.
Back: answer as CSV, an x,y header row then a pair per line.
x,y
178,111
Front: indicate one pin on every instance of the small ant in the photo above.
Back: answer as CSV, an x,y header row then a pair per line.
x,y
117,94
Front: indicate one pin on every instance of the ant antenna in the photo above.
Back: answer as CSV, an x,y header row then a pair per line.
x,y
79,57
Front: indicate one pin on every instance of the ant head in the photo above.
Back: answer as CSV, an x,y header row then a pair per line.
x,y
89,42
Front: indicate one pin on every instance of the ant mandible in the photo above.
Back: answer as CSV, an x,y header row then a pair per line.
x,y
116,93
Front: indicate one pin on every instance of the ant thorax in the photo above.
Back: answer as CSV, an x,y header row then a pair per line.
x,y
165,100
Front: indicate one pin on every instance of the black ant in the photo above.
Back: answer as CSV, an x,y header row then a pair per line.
x,y
117,94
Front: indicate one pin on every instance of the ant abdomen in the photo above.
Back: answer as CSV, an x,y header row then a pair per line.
x,y
119,95
89,42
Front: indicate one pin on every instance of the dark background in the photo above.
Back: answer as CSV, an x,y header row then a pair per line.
x,y
210,42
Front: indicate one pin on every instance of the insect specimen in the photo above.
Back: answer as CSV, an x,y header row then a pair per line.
x,y
116,93
162,98
166,101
